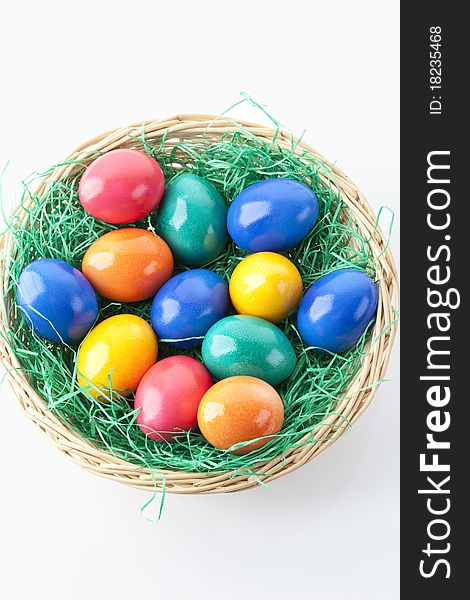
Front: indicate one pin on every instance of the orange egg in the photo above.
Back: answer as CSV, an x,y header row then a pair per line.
x,y
238,409
128,265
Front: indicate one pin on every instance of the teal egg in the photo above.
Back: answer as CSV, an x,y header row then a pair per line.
x,y
245,345
192,219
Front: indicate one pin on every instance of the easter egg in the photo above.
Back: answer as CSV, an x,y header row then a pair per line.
x,y
128,265
56,300
168,396
336,310
192,219
239,409
272,215
244,345
187,305
266,285
119,350
121,186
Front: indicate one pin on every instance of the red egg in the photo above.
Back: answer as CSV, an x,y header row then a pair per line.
x,y
121,186
169,395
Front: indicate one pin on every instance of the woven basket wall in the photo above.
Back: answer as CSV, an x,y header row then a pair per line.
x,y
373,367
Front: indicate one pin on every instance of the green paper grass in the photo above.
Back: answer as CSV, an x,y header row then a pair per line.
x,y
58,227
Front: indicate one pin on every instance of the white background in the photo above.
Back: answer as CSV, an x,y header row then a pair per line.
x,y
71,70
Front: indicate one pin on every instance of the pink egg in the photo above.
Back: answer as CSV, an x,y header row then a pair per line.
x,y
121,186
169,395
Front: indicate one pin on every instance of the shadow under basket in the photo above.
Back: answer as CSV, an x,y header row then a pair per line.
x,y
168,134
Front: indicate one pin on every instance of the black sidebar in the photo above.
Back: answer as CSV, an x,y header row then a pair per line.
x,y
435,331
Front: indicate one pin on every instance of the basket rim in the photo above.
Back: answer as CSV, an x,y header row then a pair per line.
x,y
354,401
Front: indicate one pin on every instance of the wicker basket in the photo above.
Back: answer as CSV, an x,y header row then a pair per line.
x,y
373,367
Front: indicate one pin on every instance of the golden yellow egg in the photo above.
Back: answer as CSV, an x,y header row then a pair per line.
x,y
266,285
116,354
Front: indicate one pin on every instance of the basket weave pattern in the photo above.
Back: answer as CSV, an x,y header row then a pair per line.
x,y
355,399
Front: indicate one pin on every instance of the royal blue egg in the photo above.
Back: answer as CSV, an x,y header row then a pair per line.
x,y
272,215
336,310
189,304
57,300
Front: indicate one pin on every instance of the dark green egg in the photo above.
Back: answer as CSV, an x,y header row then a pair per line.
x,y
245,345
192,219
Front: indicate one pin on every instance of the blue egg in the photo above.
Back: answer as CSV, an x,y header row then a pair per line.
x,y
272,215
189,304
57,300
336,310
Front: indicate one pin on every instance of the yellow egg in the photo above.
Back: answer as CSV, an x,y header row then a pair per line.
x,y
120,349
266,285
